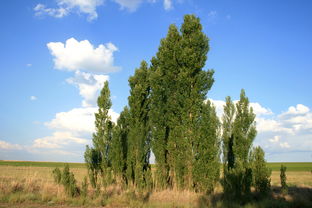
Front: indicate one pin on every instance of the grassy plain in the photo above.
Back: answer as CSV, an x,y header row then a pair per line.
x,y
30,184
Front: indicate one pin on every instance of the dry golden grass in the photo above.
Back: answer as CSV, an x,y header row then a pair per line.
x,y
34,185
294,178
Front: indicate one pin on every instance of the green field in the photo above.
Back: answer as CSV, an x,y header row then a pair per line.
x,y
292,166
41,164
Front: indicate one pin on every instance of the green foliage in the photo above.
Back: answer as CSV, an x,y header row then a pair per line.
x,y
84,187
57,175
98,158
261,173
206,166
120,146
284,187
178,90
67,179
139,134
93,163
239,132
69,182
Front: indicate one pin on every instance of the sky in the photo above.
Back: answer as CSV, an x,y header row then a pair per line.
x,y
56,55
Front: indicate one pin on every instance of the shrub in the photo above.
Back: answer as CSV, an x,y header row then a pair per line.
x,y
261,173
69,182
283,178
57,175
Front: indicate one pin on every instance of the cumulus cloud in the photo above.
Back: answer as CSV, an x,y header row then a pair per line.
x,y
78,120
257,108
57,140
65,7
33,98
279,133
297,110
8,146
82,55
89,86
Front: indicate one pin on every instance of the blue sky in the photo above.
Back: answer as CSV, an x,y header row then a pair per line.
x,y
56,54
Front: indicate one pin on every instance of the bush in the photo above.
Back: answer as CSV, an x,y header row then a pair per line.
x,y
261,173
283,178
237,182
69,182
57,175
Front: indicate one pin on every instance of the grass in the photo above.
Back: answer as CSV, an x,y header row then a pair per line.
x,y
30,184
40,164
291,166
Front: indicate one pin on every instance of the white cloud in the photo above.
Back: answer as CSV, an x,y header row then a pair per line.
x,y
271,125
33,97
75,55
67,6
259,110
28,65
299,109
284,145
57,140
8,146
131,5
288,131
89,86
41,9
168,4
78,120
275,139
114,116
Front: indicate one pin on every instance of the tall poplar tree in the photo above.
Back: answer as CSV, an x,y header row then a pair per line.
x,y
206,169
179,87
239,131
119,150
100,153
139,170
164,71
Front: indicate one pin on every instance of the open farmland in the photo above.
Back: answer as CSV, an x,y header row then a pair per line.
x,y
31,184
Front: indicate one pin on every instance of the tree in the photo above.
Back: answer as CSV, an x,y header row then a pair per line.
x,y
239,131
260,172
120,146
69,182
179,87
284,187
98,158
206,166
93,163
163,76
139,133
